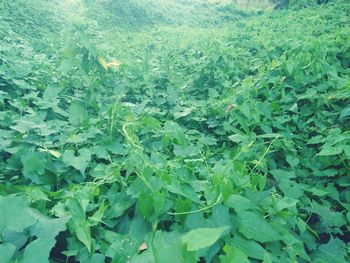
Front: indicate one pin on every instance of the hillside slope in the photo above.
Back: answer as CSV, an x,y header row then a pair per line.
x,y
136,13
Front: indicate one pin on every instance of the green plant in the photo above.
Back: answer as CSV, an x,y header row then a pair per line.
x,y
218,142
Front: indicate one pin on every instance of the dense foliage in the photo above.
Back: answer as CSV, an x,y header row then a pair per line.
x,y
226,141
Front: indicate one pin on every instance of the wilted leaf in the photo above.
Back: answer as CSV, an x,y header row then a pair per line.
x,y
102,62
54,153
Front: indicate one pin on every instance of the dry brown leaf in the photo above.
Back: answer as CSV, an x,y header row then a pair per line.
x,y
52,152
114,63
142,247
230,107
102,62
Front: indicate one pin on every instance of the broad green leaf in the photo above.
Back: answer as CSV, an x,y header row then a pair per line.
x,y
96,218
167,245
329,218
333,252
281,175
79,162
345,113
67,65
116,148
249,247
38,251
285,202
316,140
203,237
6,252
329,151
184,190
145,205
240,203
139,228
238,138
170,246
51,92
184,112
233,255
83,232
33,123
97,258
49,228
267,259
254,226
317,191
292,160
33,166
346,149
174,130
77,208
186,151
77,113
15,214
245,109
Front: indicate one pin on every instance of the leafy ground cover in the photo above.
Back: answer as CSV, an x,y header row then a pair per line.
x,y
218,142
